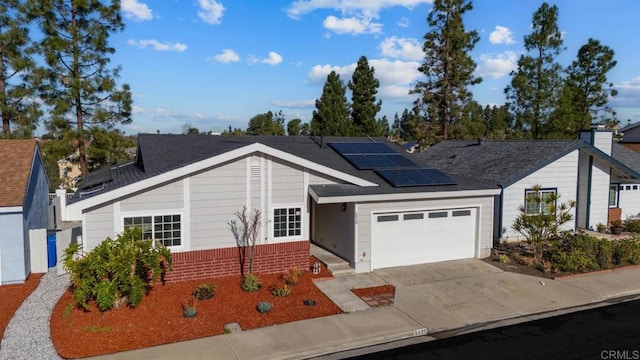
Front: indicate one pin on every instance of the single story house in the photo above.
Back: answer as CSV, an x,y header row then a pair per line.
x,y
631,136
24,206
360,198
602,177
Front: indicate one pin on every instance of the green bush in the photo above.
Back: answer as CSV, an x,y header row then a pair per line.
x,y
264,307
283,290
631,225
576,261
116,272
250,283
627,251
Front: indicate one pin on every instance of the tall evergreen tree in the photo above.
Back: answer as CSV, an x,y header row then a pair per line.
x,y
331,117
587,79
17,87
472,125
447,65
79,86
536,83
364,87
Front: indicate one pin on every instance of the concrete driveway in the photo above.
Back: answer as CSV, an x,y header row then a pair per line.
x,y
455,294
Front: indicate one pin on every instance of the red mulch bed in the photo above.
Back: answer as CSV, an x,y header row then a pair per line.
x,y
374,291
13,296
159,320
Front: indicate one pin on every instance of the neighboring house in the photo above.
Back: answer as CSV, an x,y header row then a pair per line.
x,y
589,171
69,171
631,137
24,206
183,190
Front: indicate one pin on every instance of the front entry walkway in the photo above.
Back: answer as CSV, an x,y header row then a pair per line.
x,y
336,265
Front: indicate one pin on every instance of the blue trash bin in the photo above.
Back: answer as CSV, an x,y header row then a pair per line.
x,y
51,249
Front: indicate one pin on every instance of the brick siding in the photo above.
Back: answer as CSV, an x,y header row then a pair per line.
x,y
269,259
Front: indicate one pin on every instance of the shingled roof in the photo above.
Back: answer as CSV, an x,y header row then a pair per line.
x,y
15,168
626,156
159,153
499,162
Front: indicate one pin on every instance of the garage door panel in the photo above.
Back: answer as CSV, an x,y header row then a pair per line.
x,y
400,239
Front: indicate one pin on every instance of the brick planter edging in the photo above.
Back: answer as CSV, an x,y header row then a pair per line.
x,y
268,259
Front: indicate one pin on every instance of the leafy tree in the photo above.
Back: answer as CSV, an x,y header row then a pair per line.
x,y
539,229
117,271
447,65
190,129
472,125
266,124
293,127
17,85
233,131
78,86
536,83
108,147
305,129
498,122
382,127
331,117
364,87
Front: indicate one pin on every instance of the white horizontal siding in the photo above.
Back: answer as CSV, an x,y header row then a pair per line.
x,y
629,200
98,226
599,202
167,196
287,183
215,196
365,210
562,175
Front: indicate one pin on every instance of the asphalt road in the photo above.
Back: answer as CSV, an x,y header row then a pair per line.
x,y
610,333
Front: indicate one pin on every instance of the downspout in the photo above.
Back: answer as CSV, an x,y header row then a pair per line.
x,y
500,206
587,225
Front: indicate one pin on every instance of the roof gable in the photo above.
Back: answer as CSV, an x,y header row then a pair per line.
x,y
15,168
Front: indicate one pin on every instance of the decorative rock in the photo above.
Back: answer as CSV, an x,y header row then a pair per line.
x,y
232,328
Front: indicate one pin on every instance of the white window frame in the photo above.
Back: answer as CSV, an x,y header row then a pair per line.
x,y
543,191
152,215
272,229
616,188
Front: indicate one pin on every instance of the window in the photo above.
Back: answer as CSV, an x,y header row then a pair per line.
x,y
635,187
462,213
419,216
287,222
613,195
385,218
440,214
162,228
532,207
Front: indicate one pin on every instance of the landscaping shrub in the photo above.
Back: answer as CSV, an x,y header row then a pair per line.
x,y
631,225
204,291
264,307
575,261
292,276
627,251
283,290
116,272
189,308
250,283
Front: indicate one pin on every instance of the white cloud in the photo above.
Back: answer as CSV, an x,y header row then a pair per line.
x,y
273,59
227,56
356,16
402,48
158,46
138,11
403,23
501,35
210,11
628,94
396,77
352,25
295,104
498,66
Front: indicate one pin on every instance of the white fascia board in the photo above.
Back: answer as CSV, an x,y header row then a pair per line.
x,y
10,209
97,200
402,196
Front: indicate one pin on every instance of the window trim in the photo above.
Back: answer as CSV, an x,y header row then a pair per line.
x,y
272,215
152,214
542,190
617,199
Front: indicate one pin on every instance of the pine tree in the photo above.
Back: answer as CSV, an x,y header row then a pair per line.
x,y
364,87
447,65
79,86
587,79
331,117
536,83
17,86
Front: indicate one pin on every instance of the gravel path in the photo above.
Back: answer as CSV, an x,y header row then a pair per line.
x,y
27,335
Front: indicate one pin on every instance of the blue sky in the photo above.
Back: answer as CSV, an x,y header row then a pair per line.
x,y
215,63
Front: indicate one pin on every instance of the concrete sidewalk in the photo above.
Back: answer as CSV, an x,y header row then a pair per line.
x,y
449,297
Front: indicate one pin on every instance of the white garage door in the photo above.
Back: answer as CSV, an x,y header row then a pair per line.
x,y
409,238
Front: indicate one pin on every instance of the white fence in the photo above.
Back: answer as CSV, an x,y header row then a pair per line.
x,y
38,250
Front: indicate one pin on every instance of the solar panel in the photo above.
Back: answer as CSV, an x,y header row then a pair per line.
x,y
372,148
343,148
438,176
361,162
414,177
402,161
